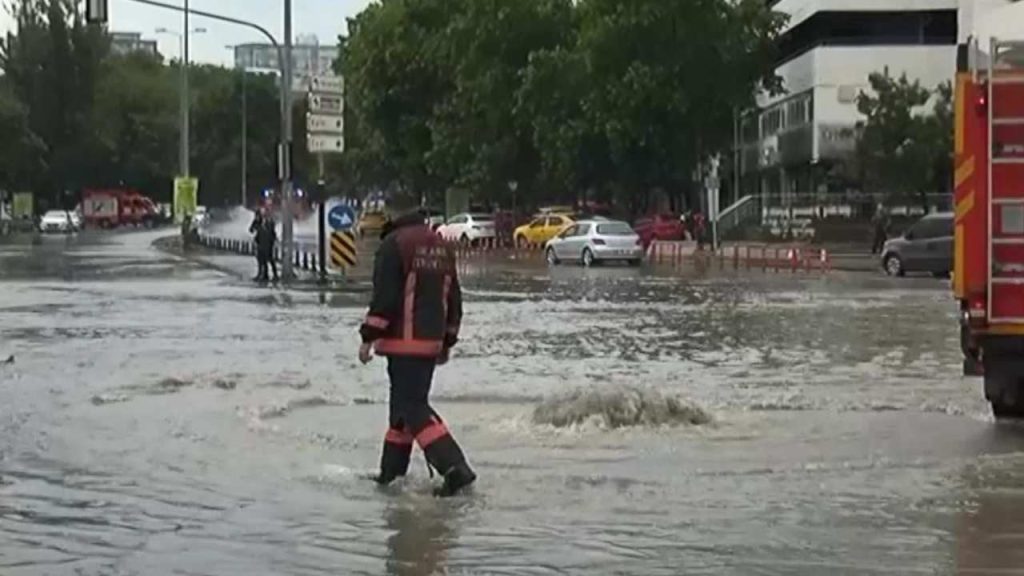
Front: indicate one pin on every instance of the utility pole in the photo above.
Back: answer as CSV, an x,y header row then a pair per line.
x,y
185,116
287,228
245,135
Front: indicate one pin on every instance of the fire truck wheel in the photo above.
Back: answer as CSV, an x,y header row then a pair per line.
x,y
1004,394
894,266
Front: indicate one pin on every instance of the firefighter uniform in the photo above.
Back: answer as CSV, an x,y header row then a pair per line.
x,y
413,321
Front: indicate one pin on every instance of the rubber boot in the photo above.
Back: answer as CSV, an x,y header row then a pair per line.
x,y
455,480
394,462
447,458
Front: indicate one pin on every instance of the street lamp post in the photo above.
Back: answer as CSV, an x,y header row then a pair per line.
x,y
184,99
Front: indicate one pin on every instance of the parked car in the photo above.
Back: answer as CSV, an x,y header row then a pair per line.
x,y
468,228
593,241
661,227
926,247
542,228
58,221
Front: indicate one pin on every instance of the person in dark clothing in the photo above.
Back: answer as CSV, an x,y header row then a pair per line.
x,y
880,226
257,223
413,321
266,239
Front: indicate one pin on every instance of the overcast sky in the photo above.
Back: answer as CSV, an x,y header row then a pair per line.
x,y
324,18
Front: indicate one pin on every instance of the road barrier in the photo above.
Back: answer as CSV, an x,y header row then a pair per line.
x,y
303,257
764,257
475,257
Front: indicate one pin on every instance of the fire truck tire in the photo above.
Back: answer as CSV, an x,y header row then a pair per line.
x,y
894,266
1004,394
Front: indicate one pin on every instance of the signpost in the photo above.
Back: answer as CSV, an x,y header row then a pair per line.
x,y
22,206
96,11
186,197
325,134
342,219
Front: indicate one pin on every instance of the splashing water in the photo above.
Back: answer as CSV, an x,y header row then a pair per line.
x,y
619,407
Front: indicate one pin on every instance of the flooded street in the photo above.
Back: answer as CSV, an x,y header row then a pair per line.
x,y
160,417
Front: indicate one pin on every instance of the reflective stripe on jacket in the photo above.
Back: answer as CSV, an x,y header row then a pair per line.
x,y
416,308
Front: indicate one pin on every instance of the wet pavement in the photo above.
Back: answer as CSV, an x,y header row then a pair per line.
x,y
163,417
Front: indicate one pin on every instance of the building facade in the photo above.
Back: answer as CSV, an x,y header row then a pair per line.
x,y
122,43
802,142
309,58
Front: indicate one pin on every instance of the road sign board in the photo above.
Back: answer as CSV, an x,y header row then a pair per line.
x,y
326,103
326,144
186,197
341,218
343,250
96,11
327,85
322,124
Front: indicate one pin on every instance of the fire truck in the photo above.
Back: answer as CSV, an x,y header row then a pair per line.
x,y
988,274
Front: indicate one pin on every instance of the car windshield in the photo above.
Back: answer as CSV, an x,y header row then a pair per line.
x,y
484,218
615,229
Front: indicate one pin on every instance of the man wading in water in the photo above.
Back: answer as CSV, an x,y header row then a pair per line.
x,y
414,321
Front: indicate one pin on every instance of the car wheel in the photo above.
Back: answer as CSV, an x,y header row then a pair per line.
x,y
587,257
894,266
550,256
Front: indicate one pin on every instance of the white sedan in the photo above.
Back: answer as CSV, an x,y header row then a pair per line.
x,y
468,228
57,221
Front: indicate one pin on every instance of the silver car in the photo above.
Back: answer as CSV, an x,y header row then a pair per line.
x,y
926,247
593,241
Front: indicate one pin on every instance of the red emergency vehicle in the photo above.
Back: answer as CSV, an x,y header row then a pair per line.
x,y
111,208
988,274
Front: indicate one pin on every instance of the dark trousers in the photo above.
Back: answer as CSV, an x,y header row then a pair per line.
x,y
879,241
412,419
264,263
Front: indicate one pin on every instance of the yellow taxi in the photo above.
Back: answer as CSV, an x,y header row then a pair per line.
x,y
371,223
542,228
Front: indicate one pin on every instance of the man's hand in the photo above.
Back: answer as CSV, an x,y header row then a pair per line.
x,y
445,356
366,353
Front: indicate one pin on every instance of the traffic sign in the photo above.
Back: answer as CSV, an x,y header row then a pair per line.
x,y
325,143
341,218
327,85
322,124
96,11
326,103
343,250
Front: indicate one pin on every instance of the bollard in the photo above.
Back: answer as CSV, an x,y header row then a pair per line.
x,y
297,260
305,260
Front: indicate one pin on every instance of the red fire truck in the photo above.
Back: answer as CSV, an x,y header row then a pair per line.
x,y
988,275
110,208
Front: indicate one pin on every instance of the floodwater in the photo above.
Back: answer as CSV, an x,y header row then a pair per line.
x,y
160,417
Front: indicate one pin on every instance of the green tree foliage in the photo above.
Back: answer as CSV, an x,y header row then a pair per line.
x,y
79,117
906,140
560,96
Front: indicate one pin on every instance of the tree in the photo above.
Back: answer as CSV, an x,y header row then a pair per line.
x,y
558,95
904,148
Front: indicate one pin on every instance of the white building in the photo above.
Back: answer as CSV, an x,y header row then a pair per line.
x,y
798,142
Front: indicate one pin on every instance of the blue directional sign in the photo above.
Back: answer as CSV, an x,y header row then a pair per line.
x,y
341,218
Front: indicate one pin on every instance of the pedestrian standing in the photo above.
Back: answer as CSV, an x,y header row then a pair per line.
x,y
254,229
414,319
270,241
880,225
